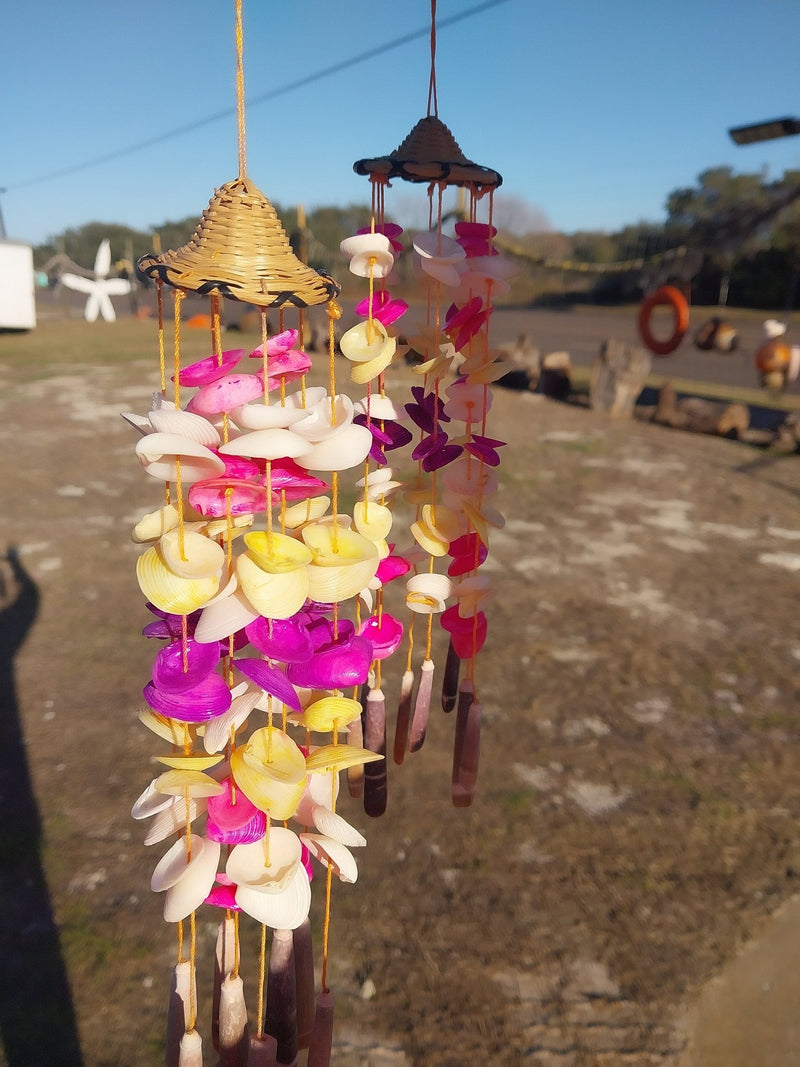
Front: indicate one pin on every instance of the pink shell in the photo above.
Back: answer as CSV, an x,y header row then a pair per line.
x,y
226,393
210,369
210,498
384,633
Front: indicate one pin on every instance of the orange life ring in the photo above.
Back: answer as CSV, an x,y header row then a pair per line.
x,y
668,296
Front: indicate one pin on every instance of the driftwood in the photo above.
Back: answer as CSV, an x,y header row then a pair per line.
x,y
618,376
701,416
555,378
524,361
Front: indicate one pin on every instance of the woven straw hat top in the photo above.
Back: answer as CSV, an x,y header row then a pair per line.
x,y
241,251
430,153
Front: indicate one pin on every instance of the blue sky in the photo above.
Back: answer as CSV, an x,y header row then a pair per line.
x,y
592,110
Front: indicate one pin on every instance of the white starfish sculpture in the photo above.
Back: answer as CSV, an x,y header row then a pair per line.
x,y
100,288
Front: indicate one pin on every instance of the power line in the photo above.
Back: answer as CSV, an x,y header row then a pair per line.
x,y
260,98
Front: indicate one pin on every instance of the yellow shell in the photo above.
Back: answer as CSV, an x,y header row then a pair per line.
x,y
275,596
276,553
365,341
306,511
428,540
373,520
271,771
189,763
167,590
192,555
177,733
197,783
339,758
323,714
343,562
361,373
443,522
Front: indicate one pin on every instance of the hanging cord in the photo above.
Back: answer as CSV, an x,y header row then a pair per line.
x,y
240,91
432,99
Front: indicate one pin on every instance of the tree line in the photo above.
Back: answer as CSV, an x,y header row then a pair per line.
x,y
739,235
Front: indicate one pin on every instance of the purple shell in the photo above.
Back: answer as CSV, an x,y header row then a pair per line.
x,y
202,702
343,663
286,640
253,830
183,665
271,679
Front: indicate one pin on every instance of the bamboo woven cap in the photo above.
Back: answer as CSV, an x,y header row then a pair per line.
x,y
430,153
241,251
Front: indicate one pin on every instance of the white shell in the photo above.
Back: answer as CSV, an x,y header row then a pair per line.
x,y
255,416
150,802
224,616
217,732
435,245
340,452
285,910
316,424
333,825
377,407
167,419
247,863
194,884
328,851
431,584
274,443
365,243
378,264
172,865
155,524
173,819
158,453
440,271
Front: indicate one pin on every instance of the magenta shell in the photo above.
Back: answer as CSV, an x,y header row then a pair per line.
x,y
336,666
384,633
286,640
392,567
467,635
230,816
226,393
240,468
199,704
168,667
210,369
253,830
468,552
223,896
321,631
271,679
279,342
210,498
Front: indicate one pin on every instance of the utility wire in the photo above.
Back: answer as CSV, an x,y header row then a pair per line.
x,y
260,98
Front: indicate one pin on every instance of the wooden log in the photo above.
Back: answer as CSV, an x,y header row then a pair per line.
x,y
618,377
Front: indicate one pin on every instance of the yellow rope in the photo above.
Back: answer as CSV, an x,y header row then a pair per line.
x,y
240,91
262,972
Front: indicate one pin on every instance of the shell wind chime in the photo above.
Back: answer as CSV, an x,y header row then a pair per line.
x,y
268,599
457,460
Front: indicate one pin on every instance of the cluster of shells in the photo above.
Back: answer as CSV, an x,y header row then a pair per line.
x,y
251,570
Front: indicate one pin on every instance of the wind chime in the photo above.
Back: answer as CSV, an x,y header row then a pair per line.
x,y
269,599
456,459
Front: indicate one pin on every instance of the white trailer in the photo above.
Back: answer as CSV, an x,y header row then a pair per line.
x,y
17,299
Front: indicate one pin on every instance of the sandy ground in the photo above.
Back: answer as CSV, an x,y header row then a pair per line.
x,y
635,823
